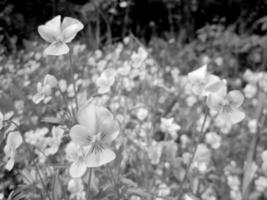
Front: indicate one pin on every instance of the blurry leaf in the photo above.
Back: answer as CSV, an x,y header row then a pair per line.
x,y
16,195
52,120
138,192
128,182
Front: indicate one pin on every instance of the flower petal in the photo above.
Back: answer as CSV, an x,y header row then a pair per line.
x,y
236,98
198,75
80,135
234,116
10,164
99,158
14,140
214,101
87,117
106,123
112,134
77,169
218,87
70,27
56,49
51,30
37,98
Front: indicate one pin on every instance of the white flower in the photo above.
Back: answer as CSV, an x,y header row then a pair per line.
x,y
226,104
200,79
14,140
44,89
142,114
250,90
58,34
213,139
96,130
169,126
105,81
261,184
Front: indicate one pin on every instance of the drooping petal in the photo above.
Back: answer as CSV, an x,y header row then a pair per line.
x,y
214,101
80,135
218,87
56,49
87,117
37,98
99,158
234,116
10,164
14,140
51,30
50,80
77,169
198,75
70,27
236,98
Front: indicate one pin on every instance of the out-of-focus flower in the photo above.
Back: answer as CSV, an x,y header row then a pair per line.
x,y
96,130
44,89
226,104
105,81
76,188
200,80
163,191
250,91
76,155
62,84
58,34
261,184
142,114
202,158
213,139
14,140
252,125
54,141
169,126
139,57
264,160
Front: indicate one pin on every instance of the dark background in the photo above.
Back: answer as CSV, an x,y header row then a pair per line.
x,y
107,21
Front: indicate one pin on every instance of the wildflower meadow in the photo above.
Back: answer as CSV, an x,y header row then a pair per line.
x,y
131,121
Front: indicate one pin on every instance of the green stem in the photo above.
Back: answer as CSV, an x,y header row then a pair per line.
x,y
73,82
89,184
202,135
114,181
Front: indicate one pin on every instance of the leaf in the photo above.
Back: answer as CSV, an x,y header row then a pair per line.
x,y
138,192
128,182
52,120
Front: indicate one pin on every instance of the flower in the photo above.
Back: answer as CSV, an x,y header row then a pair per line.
x,y
200,80
13,142
58,34
76,154
105,81
213,139
169,126
226,104
44,89
95,131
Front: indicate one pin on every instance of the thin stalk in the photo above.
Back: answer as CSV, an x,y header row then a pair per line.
x,y
202,135
73,81
89,184
114,181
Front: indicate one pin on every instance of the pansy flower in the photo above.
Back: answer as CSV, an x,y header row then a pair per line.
x,y
226,104
13,142
59,34
96,130
105,81
44,89
200,79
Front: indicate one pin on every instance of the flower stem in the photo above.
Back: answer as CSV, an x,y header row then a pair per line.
x,y
73,81
114,181
202,135
89,184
